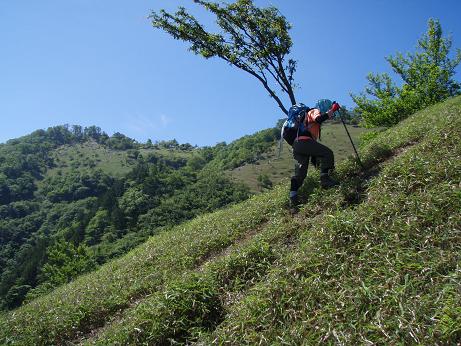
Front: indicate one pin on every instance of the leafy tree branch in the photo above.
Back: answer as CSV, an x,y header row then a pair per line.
x,y
255,40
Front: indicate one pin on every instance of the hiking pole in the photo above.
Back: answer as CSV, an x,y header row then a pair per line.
x,y
348,134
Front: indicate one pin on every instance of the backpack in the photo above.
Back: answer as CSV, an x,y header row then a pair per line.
x,y
296,116
291,126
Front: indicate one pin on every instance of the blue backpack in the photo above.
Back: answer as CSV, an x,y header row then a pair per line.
x,y
294,123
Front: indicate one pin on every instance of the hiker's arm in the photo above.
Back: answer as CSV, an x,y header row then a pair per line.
x,y
323,117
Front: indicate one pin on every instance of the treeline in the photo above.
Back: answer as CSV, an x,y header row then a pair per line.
x,y
55,227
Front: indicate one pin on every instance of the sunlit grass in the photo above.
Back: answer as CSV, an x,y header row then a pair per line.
x,y
91,156
376,261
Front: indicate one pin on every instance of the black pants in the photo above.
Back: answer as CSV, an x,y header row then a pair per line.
x,y
302,151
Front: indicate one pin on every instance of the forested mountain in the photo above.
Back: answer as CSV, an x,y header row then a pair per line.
x,y
71,198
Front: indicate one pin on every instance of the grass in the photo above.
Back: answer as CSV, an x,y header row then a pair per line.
x,y
69,158
195,303
91,155
384,271
376,261
87,302
277,168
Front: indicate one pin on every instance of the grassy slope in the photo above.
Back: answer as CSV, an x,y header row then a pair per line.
x,y
90,154
278,167
377,260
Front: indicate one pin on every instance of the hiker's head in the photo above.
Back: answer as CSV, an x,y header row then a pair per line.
x,y
323,105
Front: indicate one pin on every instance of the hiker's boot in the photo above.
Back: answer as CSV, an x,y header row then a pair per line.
x,y
327,182
294,201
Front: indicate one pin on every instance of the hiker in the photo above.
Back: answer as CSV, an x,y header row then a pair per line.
x,y
306,146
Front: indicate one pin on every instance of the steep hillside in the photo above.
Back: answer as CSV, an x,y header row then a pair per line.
x,y
376,260
71,198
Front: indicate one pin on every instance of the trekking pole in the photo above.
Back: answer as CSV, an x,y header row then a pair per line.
x,y
348,134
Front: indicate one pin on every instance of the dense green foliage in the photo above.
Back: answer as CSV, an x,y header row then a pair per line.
x,y
427,77
374,261
48,198
253,39
64,262
247,149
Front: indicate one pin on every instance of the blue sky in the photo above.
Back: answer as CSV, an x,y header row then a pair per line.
x,y
100,62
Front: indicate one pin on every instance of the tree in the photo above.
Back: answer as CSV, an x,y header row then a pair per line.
x,y
255,40
133,202
196,162
429,71
16,295
427,79
119,141
77,131
93,132
97,226
65,262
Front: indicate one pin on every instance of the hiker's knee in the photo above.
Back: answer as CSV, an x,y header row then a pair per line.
x,y
301,170
329,153
329,157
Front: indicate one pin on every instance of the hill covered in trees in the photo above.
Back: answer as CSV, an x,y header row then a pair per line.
x,y
71,198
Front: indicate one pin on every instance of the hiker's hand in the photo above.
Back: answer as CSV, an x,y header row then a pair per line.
x,y
335,107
